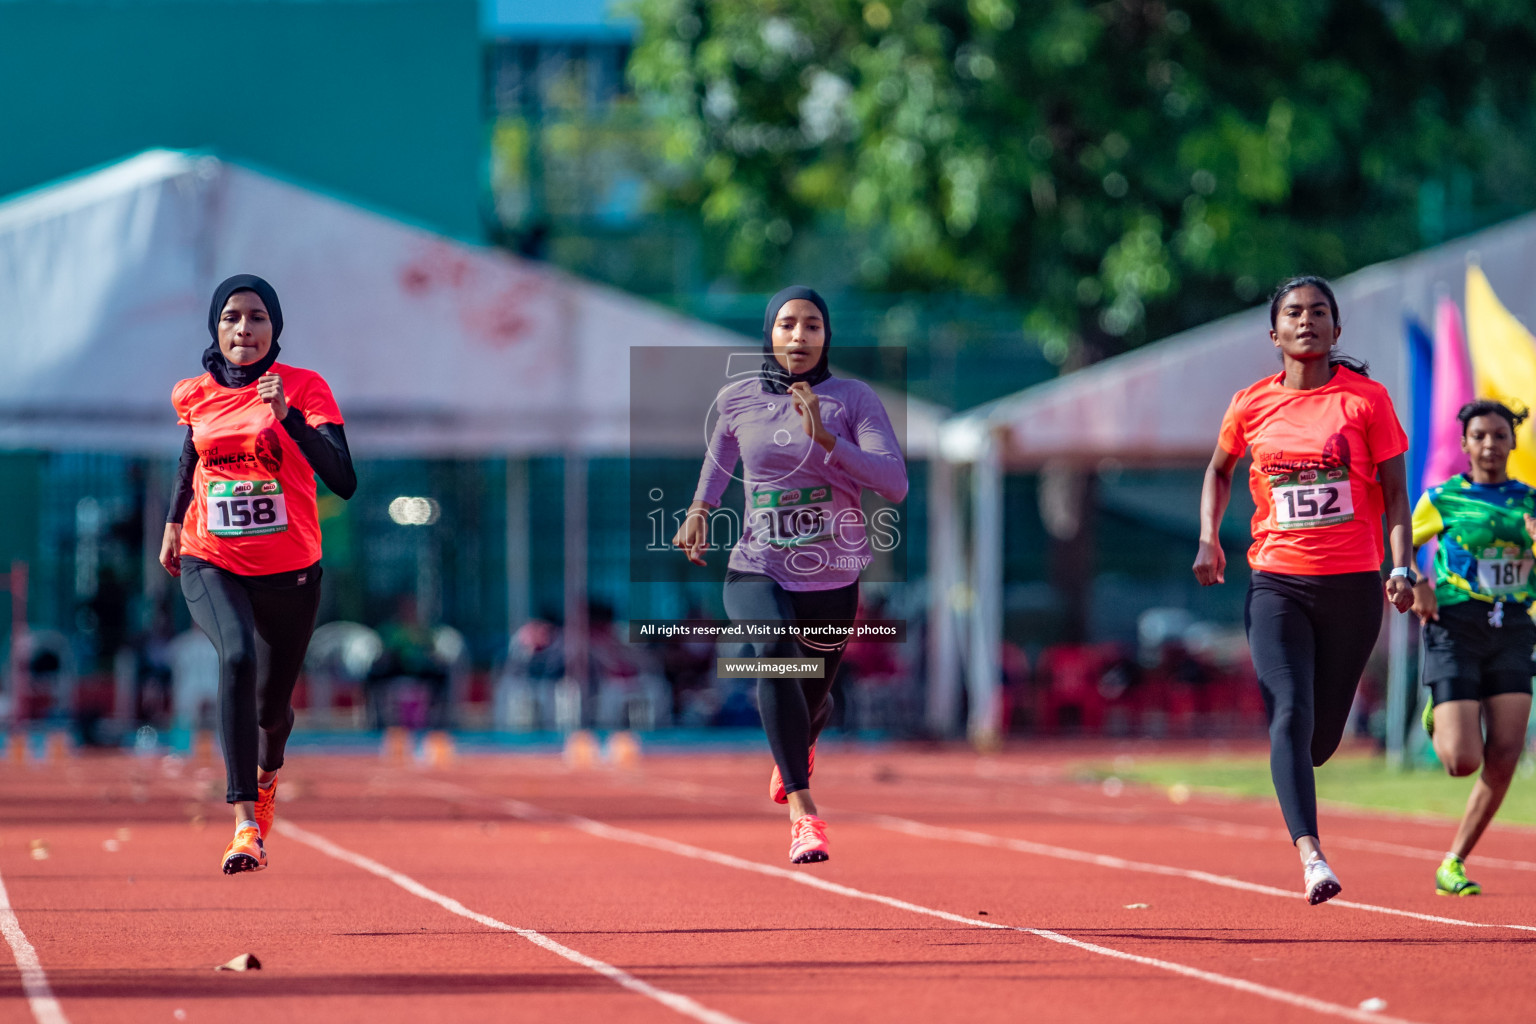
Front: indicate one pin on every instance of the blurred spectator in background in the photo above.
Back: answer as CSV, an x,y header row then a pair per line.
x,y
630,691
194,679
409,655
524,697
153,698
689,666
1018,713
1179,665
1368,715
867,694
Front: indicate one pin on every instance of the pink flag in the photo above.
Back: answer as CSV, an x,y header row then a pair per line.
x,y
1451,388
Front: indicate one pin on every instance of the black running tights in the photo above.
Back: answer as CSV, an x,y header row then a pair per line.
x,y
260,625
1310,637
794,710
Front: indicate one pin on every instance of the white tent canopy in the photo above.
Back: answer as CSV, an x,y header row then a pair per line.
x,y
433,347
1164,402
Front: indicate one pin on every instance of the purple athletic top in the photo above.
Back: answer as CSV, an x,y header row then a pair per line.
x,y
804,526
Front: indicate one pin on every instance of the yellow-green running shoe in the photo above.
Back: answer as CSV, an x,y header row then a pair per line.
x,y
1428,717
1451,879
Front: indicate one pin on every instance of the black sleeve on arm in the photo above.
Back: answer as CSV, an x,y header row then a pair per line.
x,y
325,447
181,493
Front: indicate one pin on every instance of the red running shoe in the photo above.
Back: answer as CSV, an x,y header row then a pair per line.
x,y
266,808
808,840
245,852
776,782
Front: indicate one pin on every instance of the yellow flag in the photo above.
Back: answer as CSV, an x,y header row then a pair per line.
x,y
1503,365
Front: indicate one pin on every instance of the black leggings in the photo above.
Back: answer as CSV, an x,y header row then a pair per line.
x,y
794,710
1310,637
260,625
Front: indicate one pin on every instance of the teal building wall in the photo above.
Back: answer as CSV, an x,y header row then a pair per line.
x,y
376,100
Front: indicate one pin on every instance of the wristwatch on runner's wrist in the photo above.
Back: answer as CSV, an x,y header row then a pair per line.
x,y
1406,572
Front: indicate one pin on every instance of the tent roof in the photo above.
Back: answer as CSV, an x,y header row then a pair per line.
x,y
432,347
1163,403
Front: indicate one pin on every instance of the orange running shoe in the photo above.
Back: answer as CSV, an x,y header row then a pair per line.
x,y
266,807
245,852
808,840
776,782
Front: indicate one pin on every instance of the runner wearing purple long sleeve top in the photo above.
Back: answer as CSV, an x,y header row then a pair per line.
x,y
809,444
804,526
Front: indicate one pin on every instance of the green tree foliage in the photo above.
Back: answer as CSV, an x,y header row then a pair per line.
x,y
1122,168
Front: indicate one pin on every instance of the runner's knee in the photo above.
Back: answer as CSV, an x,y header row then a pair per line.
x,y
1285,724
275,717
238,655
1461,761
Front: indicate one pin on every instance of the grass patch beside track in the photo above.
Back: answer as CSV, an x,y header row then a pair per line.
x,y
1351,779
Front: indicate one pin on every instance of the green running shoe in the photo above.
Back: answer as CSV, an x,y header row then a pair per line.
x,y
1451,879
1428,718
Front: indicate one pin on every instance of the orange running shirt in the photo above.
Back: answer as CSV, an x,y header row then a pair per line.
x,y
1313,478
253,506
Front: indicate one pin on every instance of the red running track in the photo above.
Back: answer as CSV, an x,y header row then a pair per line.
x,y
960,889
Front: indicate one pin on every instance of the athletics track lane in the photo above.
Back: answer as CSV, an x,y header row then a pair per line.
x,y
339,942
133,934
1274,938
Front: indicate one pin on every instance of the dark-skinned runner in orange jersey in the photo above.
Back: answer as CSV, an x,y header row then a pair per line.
x,y
1327,464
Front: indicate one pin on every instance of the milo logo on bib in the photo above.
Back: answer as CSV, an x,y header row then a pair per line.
x,y
246,508
793,517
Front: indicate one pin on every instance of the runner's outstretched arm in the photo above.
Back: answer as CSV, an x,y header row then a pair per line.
x,y
1211,561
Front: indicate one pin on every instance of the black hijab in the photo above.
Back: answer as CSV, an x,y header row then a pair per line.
x,y
232,375
776,379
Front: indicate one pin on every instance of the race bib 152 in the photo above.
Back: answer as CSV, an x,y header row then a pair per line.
x,y
1310,498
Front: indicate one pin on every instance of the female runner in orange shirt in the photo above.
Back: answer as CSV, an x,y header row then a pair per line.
x,y
244,536
1327,463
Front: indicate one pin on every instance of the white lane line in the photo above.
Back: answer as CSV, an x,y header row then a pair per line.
x,y
672,1000
1339,808
958,835
34,982
1066,808
528,812
1195,823
695,792
1212,825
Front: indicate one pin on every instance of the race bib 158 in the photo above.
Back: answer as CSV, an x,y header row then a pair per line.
x,y
246,508
1310,498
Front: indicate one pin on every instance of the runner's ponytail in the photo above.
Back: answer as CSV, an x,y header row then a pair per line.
x,y
1359,366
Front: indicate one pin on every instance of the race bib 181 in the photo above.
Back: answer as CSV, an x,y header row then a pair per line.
x,y
793,517
1503,570
1310,498
246,508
